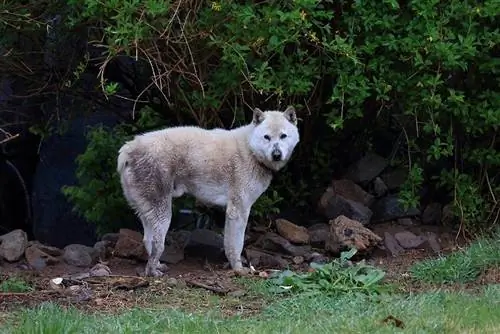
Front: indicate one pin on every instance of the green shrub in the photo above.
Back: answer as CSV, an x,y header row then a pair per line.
x,y
425,71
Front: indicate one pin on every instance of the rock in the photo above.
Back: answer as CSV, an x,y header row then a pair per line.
x,y
102,248
345,233
379,187
263,260
367,168
318,258
298,259
394,179
318,233
388,208
433,242
406,222
332,205
111,238
130,245
351,191
175,244
38,259
79,255
291,232
12,245
276,243
100,270
409,240
432,214
52,210
447,215
392,244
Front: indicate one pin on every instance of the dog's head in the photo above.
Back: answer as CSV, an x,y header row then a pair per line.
x,y
274,136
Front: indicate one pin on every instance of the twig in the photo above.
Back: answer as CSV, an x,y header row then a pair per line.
x,y
221,291
3,141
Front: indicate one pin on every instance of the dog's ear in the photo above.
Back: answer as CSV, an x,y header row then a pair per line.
x,y
291,115
258,116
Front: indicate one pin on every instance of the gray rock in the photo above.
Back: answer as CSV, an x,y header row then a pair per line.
x,y
336,205
394,179
389,208
433,242
102,248
318,234
276,243
406,222
112,238
79,255
13,245
260,259
409,240
379,187
351,191
367,168
392,244
38,259
175,245
432,214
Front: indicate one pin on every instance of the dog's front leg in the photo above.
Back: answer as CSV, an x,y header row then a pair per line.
x,y
234,233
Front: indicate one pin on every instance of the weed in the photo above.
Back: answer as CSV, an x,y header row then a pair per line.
x,y
15,284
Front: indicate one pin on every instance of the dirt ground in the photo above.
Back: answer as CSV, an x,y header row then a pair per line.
x,y
190,284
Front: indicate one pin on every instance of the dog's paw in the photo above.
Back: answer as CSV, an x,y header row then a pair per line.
x,y
243,271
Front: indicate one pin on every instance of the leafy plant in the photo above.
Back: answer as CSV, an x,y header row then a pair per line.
x,y
333,278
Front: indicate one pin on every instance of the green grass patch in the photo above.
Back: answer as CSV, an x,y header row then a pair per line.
x,y
462,266
432,312
15,284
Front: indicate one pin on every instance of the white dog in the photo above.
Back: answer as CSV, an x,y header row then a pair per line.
x,y
227,168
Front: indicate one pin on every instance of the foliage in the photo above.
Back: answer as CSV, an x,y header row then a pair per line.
x,y
424,71
462,266
333,279
15,285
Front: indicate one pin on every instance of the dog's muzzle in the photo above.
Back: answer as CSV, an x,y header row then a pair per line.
x,y
276,154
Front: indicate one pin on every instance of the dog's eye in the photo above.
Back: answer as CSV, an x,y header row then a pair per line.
x,y
266,137
283,136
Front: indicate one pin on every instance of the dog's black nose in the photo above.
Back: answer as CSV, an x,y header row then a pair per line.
x,y
276,154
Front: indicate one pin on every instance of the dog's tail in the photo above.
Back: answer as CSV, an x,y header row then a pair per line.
x,y
123,157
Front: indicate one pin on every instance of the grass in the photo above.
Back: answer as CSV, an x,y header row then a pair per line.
x,y
432,312
15,284
339,298
462,266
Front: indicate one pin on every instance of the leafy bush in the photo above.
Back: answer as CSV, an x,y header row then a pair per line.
x,y
334,278
425,71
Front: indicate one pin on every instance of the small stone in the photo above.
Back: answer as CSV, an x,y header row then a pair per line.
x,y
264,260
37,258
406,222
432,214
346,233
276,243
175,245
79,255
101,248
409,240
290,231
130,245
392,244
379,187
100,270
298,259
318,233
447,214
12,245
367,168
